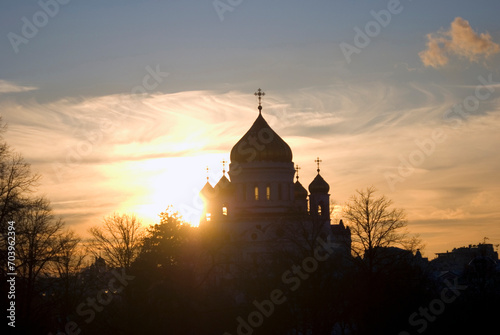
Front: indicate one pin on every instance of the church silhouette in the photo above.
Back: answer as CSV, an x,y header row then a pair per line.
x,y
260,207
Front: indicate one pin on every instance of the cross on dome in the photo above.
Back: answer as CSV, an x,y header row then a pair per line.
x,y
260,94
223,166
297,168
317,161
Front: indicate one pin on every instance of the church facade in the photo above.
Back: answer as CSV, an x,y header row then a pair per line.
x,y
260,207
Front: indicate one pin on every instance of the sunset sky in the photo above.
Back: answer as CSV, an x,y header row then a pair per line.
x,y
121,105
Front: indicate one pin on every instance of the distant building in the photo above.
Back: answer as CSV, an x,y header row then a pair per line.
x,y
458,259
260,207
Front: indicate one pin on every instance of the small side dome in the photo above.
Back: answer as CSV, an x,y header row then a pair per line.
x,y
223,187
319,185
299,191
207,192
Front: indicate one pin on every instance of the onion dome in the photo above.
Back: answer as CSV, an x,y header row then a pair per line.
x,y
319,185
223,186
261,144
207,191
299,191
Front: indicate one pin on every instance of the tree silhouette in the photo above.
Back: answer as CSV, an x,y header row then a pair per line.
x,y
17,182
118,240
68,263
385,277
40,238
163,242
375,225
16,179
164,286
37,243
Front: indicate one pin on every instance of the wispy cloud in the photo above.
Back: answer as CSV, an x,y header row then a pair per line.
x,y
359,129
9,87
459,40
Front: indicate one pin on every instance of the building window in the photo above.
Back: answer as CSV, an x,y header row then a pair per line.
x,y
256,191
224,210
268,192
319,209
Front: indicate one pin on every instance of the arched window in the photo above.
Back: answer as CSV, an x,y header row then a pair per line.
x,y
224,210
319,209
256,192
268,192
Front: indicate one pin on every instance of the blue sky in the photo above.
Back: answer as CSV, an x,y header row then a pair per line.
x,y
69,92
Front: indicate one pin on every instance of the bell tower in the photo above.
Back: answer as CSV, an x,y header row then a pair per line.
x,y
319,199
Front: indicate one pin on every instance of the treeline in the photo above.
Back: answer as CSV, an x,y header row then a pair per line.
x,y
177,283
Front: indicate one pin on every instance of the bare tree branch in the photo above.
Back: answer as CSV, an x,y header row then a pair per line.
x,y
375,225
118,240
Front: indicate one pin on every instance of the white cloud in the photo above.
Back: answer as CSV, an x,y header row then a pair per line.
x,y
9,87
461,41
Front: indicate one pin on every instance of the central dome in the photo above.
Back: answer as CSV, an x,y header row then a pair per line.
x,y
262,144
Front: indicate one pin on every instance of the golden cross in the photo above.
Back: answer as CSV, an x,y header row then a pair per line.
x,y
297,168
207,173
223,166
259,94
317,161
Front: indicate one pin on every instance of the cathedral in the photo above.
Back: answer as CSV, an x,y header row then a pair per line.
x,y
258,204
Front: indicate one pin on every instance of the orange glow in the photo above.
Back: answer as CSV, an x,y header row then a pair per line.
x,y
174,181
